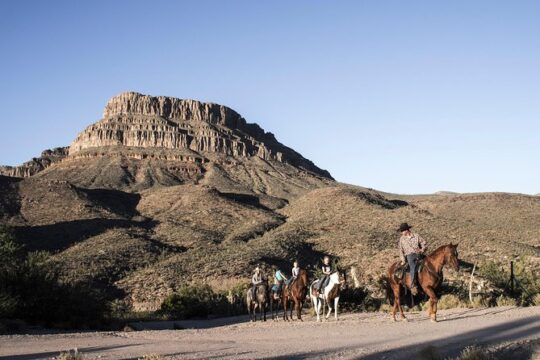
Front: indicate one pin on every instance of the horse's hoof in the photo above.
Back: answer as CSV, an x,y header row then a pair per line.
x,y
405,319
433,320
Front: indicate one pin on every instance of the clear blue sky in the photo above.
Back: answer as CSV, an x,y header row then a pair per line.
x,y
401,96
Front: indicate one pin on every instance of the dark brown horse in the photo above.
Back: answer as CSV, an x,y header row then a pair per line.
x,y
429,278
296,291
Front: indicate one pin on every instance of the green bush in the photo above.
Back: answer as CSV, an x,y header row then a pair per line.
x,y
30,290
194,301
526,286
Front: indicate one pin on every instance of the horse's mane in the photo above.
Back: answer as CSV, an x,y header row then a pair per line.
x,y
438,250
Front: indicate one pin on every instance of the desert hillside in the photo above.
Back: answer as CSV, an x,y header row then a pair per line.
x,y
163,192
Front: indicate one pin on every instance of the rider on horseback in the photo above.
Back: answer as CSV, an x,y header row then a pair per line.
x,y
326,271
279,278
295,271
256,280
411,247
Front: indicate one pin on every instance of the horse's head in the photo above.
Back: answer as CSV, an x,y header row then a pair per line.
x,y
451,256
304,276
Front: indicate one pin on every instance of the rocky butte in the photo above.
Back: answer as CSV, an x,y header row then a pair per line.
x,y
143,141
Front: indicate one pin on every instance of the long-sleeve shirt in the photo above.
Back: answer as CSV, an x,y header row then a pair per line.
x,y
411,244
295,271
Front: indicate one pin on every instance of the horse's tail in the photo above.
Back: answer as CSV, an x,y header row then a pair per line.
x,y
385,284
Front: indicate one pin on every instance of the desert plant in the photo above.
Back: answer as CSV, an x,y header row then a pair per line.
x,y
152,357
473,352
70,355
30,289
506,301
450,301
194,301
526,280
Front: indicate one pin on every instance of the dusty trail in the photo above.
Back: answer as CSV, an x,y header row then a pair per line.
x,y
367,336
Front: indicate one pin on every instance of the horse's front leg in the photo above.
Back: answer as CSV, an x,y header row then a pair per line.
x,y
432,308
336,302
285,303
329,308
317,305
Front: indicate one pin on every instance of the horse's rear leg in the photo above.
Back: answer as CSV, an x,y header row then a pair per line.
x,y
432,308
336,302
397,302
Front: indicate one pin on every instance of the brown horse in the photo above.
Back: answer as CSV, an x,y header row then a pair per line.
x,y
296,291
429,278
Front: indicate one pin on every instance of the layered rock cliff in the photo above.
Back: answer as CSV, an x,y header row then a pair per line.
x,y
29,168
135,120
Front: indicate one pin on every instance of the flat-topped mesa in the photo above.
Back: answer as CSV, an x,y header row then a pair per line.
x,y
142,121
172,109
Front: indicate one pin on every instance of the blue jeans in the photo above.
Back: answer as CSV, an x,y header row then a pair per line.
x,y
412,259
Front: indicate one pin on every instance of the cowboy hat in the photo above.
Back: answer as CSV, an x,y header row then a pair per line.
x,y
404,226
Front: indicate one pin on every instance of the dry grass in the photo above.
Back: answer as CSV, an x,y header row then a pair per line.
x,y
473,353
506,301
70,355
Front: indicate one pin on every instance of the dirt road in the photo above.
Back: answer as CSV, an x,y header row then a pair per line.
x,y
366,336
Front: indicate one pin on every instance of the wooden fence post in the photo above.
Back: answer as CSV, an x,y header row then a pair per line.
x,y
470,283
512,277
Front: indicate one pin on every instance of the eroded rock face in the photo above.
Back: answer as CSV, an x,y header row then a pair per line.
x,y
135,120
29,168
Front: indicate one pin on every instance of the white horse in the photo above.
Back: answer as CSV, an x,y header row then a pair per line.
x,y
330,294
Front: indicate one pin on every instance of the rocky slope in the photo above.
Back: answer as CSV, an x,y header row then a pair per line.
x,y
32,167
163,192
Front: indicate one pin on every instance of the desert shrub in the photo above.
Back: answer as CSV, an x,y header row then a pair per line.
x,y
30,290
359,299
194,301
527,280
473,352
152,357
70,355
506,301
450,301
479,301
236,299
536,300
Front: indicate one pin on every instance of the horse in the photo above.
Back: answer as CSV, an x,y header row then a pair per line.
x,y
295,291
329,294
429,278
276,297
260,302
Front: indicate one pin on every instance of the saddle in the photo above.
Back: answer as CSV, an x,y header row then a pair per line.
x,y
401,270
